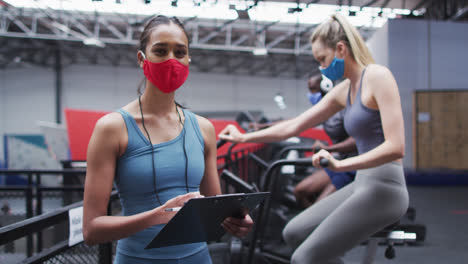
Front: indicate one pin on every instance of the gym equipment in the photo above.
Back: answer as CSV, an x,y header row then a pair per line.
x,y
231,250
262,246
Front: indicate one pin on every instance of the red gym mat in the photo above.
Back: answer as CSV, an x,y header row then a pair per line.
x,y
80,126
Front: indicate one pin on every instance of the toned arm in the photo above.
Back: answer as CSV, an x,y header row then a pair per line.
x,y
209,185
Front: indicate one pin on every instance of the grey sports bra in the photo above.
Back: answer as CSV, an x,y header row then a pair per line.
x,y
362,123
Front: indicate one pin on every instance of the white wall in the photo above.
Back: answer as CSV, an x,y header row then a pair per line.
x,y
27,94
223,92
449,55
99,88
108,88
422,55
408,60
378,45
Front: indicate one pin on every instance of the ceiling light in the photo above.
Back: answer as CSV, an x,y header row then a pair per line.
x,y
279,99
419,12
260,51
93,42
265,11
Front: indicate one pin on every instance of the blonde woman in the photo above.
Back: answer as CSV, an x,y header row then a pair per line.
x,y
378,197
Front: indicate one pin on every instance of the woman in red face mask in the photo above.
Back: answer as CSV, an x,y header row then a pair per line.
x,y
159,154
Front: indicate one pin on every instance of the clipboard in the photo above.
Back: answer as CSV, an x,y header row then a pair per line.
x,y
199,220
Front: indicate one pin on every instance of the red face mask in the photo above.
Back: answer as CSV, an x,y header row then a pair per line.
x,y
167,76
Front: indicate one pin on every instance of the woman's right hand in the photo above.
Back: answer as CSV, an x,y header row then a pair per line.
x,y
231,133
175,202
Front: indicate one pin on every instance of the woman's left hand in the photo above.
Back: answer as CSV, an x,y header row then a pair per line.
x,y
238,227
333,164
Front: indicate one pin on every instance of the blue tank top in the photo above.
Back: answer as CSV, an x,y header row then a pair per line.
x,y
134,180
362,123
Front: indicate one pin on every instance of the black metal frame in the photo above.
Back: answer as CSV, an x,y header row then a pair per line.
x,y
238,163
38,223
269,180
35,190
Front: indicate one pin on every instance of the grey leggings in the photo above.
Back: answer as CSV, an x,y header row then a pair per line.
x,y
325,231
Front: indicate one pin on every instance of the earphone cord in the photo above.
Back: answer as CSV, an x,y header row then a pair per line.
x,y
185,151
152,151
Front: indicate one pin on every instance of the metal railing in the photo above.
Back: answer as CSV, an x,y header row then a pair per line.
x,y
60,251
35,189
34,194
37,222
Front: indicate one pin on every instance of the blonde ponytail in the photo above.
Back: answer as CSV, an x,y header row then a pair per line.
x,y
339,29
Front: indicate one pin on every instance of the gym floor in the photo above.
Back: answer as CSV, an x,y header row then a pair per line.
x,y
444,211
